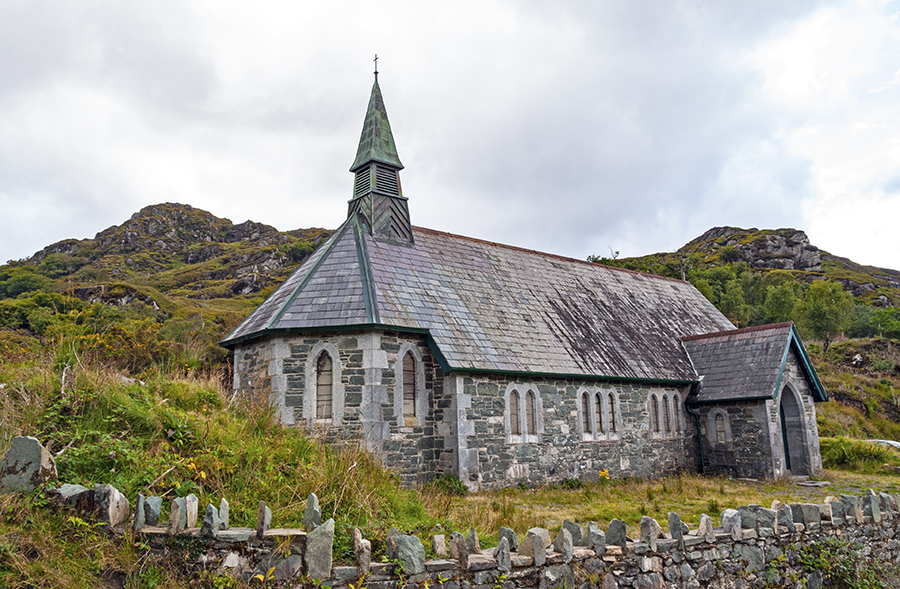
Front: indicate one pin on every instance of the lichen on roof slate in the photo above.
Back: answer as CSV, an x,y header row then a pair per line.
x,y
376,142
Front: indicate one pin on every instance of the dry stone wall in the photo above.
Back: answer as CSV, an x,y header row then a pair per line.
x,y
753,546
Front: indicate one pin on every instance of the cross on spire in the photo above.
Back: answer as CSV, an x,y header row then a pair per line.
x,y
376,66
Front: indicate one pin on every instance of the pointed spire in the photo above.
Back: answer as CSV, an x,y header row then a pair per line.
x,y
376,143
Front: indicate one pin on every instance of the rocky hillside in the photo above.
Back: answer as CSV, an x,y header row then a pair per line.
x,y
179,251
771,249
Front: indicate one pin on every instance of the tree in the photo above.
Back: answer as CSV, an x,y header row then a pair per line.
x,y
732,303
780,302
826,311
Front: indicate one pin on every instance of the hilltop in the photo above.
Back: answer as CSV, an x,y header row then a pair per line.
x,y
767,250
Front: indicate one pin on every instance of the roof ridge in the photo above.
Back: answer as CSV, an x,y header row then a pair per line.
x,y
548,255
770,326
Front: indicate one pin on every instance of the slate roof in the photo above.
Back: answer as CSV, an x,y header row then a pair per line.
x,y
494,308
744,364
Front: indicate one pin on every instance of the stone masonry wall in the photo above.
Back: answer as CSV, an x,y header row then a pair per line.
x,y
558,451
365,400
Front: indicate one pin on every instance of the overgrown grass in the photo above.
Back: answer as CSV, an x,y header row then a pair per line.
x,y
176,433
857,455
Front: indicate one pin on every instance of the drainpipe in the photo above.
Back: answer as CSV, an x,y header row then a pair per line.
x,y
699,435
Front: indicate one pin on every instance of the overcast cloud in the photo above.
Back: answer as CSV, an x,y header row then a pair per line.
x,y
568,127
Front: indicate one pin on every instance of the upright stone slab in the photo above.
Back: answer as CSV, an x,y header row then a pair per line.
x,y
152,510
825,513
853,507
806,513
511,537
838,510
705,529
785,518
458,550
140,518
175,514
544,534
596,539
675,529
264,521
388,545
362,548
472,543
410,553
502,555
112,505
533,546
579,538
872,506
312,515
765,518
439,545
192,504
319,544
748,517
886,512
650,531
563,545
224,514
26,466
731,523
615,534
211,523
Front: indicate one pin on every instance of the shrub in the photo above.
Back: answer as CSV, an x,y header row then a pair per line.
x,y
857,455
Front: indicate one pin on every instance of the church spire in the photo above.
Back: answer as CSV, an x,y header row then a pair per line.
x,y
377,194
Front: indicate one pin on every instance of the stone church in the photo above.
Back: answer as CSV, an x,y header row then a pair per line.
x,y
501,365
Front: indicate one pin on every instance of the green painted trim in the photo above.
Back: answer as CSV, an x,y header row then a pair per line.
x,y
286,305
695,403
365,275
807,366
784,357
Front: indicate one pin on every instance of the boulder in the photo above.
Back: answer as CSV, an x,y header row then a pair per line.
x,y
312,515
76,497
511,537
112,506
319,544
805,513
410,553
748,517
26,466
765,518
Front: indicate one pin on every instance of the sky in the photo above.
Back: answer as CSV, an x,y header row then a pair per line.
x,y
572,127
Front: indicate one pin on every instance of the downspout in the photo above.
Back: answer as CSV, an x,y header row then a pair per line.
x,y
699,436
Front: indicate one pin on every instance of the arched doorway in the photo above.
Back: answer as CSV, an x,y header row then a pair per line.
x,y
793,433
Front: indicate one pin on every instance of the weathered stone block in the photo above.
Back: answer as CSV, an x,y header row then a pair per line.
x,y
312,515
112,506
533,546
26,466
410,553
362,548
731,523
502,555
211,524
563,545
579,538
224,514
596,539
511,537
615,534
319,544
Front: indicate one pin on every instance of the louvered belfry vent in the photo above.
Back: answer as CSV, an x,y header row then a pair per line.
x,y
363,182
377,194
387,181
